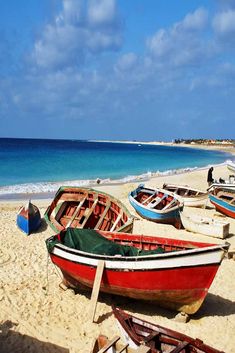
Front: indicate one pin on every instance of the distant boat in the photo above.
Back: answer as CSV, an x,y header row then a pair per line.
x,y
173,273
224,201
205,225
190,196
157,205
28,218
158,338
87,208
231,166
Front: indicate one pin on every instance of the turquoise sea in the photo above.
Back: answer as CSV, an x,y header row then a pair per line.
x,y
37,165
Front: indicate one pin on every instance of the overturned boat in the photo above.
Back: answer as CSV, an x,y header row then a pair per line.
x,y
28,218
212,227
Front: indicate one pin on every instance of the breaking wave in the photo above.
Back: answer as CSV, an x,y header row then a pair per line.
x,y
52,187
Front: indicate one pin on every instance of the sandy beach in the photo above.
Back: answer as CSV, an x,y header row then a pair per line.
x,y
36,315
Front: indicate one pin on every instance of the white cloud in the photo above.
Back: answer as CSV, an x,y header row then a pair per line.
x,y
126,62
182,43
195,21
102,12
224,22
81,29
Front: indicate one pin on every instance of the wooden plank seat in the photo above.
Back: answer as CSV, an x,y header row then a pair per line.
x,y
103,215
116,222
149,198
76,212
180,347
156,201
89,212
152,336
170,204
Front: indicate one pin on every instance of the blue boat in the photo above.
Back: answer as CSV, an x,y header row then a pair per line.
x,y
28,218
224,201
157,205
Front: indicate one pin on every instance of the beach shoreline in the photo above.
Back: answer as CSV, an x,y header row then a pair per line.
x,y
6,193
217,147
37,315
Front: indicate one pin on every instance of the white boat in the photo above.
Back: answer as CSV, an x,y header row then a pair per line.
x,y
205,225
231,166
223,184
190,196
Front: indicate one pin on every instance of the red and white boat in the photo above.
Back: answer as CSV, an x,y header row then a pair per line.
x,y
174,273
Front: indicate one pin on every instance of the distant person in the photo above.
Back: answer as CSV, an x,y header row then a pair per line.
x,y
209,176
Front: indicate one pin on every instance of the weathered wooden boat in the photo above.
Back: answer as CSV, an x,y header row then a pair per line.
x,y
231,166
87,208
28,218
224,201
205,225
160,339
173,273
156,205
103,345
191,197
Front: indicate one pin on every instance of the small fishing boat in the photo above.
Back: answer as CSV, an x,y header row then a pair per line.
x,y
205,225
191,197
103,345
160,339
224,201
173,273
157,205
28,218
87,208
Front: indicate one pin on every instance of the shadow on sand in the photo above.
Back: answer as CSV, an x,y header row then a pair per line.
x,y
214,305
12,341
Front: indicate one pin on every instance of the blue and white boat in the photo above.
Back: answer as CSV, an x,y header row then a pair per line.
x,y
28,218
157,205
224,201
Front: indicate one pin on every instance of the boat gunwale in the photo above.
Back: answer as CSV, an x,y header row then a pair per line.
x,y
180,253
203,194
55,225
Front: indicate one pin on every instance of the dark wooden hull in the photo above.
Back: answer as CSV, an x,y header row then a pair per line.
x,y
158,338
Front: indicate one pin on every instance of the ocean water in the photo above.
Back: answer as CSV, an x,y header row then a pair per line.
x,y
36,165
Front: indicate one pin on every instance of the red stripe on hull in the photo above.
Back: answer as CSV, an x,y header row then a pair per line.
x,y
224,210
183,289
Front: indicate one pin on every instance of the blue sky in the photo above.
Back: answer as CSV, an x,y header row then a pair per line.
x,y
127,69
